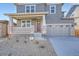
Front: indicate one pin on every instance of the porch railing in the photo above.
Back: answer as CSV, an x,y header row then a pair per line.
x,y
22,30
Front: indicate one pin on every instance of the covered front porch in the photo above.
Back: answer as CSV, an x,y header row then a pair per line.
x,y
27,23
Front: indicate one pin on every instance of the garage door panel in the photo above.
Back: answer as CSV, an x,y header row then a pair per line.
x,y
59,30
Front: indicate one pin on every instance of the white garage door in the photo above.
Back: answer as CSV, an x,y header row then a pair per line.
x,y
59,29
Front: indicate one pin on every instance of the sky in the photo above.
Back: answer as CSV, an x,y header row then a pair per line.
x,y
66,7
10,8
6,8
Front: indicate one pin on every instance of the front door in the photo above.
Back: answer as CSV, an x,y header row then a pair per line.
x,y
38,25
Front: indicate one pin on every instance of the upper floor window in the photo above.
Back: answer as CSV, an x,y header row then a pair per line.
x,y
52,9
29,8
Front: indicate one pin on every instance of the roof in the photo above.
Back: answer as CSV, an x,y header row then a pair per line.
x,y
36,13
26,15
36,3
71,10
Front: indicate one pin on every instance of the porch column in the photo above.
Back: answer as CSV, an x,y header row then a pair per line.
x,y
44,25
10,25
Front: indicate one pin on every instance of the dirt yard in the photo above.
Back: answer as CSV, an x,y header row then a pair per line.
x,y
24,47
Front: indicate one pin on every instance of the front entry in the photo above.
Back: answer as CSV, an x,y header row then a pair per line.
x,y
38,25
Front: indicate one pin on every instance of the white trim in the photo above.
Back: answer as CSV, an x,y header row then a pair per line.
x,y
44,20
44,25
30,8
10,25
26,22
54,9
11,21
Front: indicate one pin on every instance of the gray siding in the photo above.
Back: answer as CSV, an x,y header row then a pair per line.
x,y
20,8
50,18
54,18
39,8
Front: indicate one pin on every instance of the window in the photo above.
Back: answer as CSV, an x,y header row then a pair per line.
x,y
32,9
23,24
52,9
26,23
29,8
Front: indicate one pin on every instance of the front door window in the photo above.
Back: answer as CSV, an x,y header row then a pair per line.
x,y
26,23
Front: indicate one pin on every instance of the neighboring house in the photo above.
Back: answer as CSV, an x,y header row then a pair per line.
x,y
74,13
3,28
44,18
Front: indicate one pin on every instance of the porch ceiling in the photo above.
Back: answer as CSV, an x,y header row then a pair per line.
x,y
26,15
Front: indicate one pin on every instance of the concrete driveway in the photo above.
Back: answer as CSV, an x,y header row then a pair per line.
x,y
65,46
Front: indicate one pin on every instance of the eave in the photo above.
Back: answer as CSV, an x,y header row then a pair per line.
x,y
26,15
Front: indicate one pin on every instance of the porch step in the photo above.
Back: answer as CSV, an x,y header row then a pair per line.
x,y
38,36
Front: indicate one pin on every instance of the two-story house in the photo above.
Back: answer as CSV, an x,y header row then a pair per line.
x,y
44,18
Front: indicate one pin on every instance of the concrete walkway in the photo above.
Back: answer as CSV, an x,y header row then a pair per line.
x,y
65,46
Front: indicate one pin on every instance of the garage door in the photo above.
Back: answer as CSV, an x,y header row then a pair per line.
x,y
59,29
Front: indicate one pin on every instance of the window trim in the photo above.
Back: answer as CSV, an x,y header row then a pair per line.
x,y
30,8
26,22
54,9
